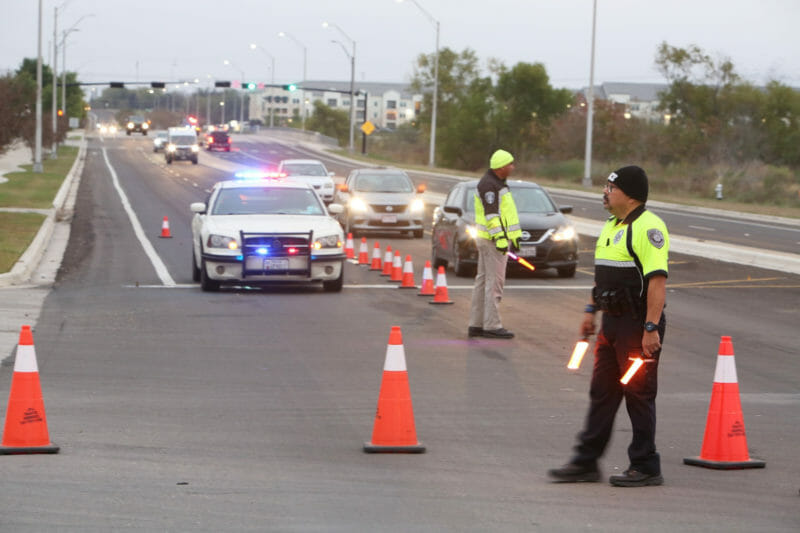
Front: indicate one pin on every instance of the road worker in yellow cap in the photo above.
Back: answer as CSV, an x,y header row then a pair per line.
x,y
498,228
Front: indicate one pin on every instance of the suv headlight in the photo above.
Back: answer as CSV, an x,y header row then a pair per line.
x,y
222,241
417,205
195,148
130,125
170,148
329,241
145,126
564,233
357,205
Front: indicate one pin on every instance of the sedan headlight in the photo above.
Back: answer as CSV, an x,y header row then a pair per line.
x,y
329,241
222,241
417,205
472,231
564,233
357,205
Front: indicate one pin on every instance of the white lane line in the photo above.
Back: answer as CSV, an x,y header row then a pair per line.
x,y
703,228
393,287
161,268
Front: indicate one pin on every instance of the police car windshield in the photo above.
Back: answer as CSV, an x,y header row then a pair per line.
x,y
527,200
384,183
304,170
266,201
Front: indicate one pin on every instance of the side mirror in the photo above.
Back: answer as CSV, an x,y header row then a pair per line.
x,y
453,209
421,188
332,174
566,209
335,209
198,207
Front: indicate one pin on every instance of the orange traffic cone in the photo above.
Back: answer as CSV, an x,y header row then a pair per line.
x,y
725,443
427,281
394,430
408,274
26,423
397,267
165,234
376,257
440,291
363,256
349,252
387,262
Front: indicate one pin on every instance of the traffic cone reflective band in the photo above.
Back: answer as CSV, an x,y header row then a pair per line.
x,y
26,424
349,251
440,291
363,257
408,274
376,257
397,267
724,442
394,430
387,262
427,281
165,234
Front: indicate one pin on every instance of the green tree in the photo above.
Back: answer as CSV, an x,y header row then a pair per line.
x,y
331,122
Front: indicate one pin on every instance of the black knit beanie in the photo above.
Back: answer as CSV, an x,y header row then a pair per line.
x,y
632,180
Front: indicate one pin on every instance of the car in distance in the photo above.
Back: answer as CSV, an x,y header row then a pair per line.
x,y
137,123
311,171
159,140
258,230
182,145
548,239
218,140
381,200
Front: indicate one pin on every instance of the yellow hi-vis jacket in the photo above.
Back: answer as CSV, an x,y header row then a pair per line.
x,y
496,215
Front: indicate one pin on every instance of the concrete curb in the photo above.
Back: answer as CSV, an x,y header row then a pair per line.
x,y
61,211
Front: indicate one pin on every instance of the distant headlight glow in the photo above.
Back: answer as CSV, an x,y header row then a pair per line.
x,y
170,148
472,231
222,241
195,148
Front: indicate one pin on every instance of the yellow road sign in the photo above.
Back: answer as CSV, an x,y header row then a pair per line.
x,y
368,127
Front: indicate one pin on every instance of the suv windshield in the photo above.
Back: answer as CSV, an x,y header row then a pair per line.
x,y
297,169
267,201
136,118
383,183
183,140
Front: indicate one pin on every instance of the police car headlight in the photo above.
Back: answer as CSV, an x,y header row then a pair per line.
x,y
329,241
565,233
472,231
222,241
417,206
195,148
357,205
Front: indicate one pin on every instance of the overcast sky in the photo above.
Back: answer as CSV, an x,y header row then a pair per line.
x,y
164,40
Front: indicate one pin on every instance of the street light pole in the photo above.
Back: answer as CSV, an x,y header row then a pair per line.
x,y
37,152
54,148
352,81
432,151
272,82
587,165
302,91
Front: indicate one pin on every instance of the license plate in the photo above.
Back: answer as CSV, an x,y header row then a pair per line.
x,y
389,219
276,264
528,251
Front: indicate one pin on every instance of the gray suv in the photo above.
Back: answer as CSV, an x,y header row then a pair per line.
x,y
381,200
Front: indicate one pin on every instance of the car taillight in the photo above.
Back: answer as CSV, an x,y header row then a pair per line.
x,y
229,140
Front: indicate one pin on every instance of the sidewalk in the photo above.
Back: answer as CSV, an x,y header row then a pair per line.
x,y
24,288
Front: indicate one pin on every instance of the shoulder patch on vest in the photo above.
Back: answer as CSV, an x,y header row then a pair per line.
x,y
656,238
490,197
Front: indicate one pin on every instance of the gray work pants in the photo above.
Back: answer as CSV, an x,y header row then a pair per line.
x,y
488,289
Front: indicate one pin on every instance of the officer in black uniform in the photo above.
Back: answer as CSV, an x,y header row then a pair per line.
x,y
630,289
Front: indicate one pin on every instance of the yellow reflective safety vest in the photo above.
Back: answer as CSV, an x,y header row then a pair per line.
x,y
496,215
628,253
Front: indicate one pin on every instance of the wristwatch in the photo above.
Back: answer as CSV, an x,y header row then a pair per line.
x,y
650,326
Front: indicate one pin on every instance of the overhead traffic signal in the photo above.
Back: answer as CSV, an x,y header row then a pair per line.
x,y
60,112
290,87
116,85
157,85
250,86
222,84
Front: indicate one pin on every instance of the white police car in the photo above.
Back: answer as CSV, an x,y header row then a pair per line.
x,y
258,230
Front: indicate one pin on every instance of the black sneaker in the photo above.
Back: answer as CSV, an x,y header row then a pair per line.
x,y
634,478
500,333
474,331
574,473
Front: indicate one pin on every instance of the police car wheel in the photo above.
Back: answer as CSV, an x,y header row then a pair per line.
x,y
206,283
195,270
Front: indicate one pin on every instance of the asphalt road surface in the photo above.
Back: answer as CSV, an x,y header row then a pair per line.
x,y
247,410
